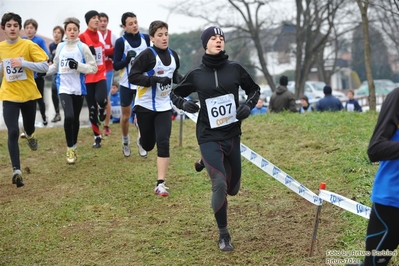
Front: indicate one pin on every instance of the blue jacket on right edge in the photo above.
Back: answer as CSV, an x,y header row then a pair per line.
x,y
329,102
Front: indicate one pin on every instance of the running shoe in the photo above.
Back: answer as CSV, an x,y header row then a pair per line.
x,y
44,120
56,118
71,156
107,131
199,165
32,141
126,149
97,142
143,153
17,178
161,190
23,135
225,243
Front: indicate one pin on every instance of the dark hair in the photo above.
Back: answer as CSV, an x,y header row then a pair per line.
x,y
11,16
304,97
125,16
73,21
31,21
283,80
155,25
61,29
103,15
327,90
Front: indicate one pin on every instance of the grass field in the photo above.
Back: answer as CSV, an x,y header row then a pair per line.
x,y
102,210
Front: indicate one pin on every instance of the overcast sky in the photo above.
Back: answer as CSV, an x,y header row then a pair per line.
x,y
50,13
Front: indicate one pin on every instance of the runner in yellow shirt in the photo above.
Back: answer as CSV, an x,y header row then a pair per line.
x,y
19,58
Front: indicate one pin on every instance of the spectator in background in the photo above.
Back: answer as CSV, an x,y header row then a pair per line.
x,y
58,35
115,100
259,108
30,27
282,99
329,102
352,105
305,106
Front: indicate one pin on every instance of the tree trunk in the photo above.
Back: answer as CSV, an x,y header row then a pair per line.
x,y
367,52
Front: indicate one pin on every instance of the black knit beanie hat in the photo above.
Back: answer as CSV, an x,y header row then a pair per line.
x,y
89,15
208,33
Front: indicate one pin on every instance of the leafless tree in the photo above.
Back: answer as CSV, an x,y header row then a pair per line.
x,y
315,22
246,17
363,7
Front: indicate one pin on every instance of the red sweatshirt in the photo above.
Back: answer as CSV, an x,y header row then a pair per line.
x,y
94,38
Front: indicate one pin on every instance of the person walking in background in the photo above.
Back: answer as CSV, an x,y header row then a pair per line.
x,y
18,91
30,27
73,59
382,229
58,35
109,39
352,105
259,108
282,99
305,106
154,70
329,102
127,47
96,84
217,81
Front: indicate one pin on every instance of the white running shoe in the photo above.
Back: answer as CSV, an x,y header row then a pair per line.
x,y
126,149
161,190
143,153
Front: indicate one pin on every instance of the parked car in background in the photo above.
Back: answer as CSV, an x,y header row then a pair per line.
x,y
382,87
265,93
314,90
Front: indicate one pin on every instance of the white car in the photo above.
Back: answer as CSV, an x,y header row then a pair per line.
x,y
314,90
265,93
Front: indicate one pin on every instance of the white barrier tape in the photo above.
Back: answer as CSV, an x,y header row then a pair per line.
x,y
280,175
345,203
274,171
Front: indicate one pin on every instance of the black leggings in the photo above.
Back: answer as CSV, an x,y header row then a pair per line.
x,y
382,233
11,114
222,160
40,102
155,127
72,105
54,96
96,96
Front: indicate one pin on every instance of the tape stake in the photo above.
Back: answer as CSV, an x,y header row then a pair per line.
x,y
322,186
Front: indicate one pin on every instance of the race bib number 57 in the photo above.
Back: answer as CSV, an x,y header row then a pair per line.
x,y
221,110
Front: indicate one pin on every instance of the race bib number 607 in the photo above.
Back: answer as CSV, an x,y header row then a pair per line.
x,y
221,110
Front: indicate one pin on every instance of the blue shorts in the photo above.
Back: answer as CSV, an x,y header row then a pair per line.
x,y
127,96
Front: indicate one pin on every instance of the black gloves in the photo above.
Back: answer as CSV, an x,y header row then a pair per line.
x,y
161,80
72,63
130,54
40,75
190,107
243,112
92,50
